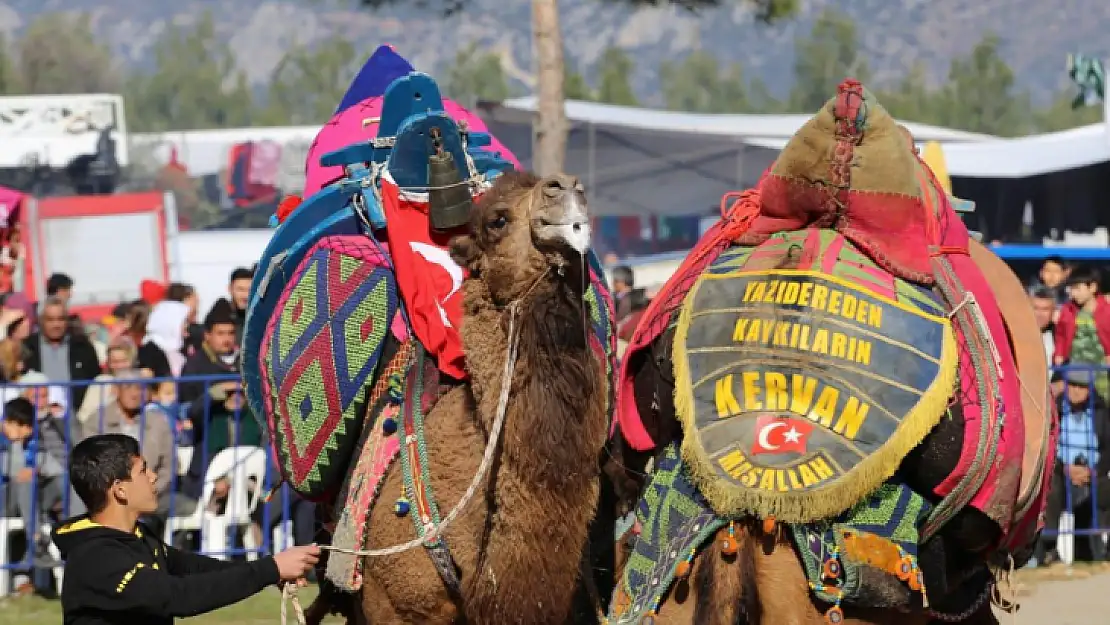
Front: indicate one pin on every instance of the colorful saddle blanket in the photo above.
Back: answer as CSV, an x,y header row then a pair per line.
x,y
800,390
318,356
866,556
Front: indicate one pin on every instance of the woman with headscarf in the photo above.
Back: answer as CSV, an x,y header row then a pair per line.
x,y
161,350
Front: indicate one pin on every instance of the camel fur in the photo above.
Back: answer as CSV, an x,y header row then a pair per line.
x,y
518,544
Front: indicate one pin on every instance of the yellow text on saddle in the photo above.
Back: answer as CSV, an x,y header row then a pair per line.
x,y
800,392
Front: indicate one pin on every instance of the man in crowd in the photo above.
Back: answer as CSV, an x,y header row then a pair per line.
x,y
1044,310
1082,464
119,573
239,290
1053,276
58,355
217,355
1083,327
60,286
125,416
623,281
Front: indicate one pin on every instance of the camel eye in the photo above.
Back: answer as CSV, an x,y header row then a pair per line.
x,y
497,223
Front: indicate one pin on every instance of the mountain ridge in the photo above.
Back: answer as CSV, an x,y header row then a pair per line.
x,y
1036,35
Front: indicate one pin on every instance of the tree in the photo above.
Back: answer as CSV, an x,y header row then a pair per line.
x,y
614,71
1061,116
10,80
980,95
476,76
824,59
306,85
551,126
196,84
911,99
575,86
698,84
59,54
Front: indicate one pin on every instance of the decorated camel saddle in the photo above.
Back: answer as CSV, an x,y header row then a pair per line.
x,y
353,324
850,366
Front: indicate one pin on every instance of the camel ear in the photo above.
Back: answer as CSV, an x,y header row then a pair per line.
x,y
465,252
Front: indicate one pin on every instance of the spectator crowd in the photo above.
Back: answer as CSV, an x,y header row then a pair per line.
x,y
153,369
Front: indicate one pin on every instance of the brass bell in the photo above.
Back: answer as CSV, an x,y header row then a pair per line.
x,y
449,199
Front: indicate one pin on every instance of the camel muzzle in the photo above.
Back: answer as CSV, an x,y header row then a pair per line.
x,y
561,218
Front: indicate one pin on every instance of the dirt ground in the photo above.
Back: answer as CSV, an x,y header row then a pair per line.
x,y
1062,596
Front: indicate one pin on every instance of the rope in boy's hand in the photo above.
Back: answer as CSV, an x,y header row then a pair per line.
x,y
289,595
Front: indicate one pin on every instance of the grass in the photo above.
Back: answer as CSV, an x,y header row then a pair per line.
x,y
261,609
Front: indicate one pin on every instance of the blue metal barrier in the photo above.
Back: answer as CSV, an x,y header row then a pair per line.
x,y
195,502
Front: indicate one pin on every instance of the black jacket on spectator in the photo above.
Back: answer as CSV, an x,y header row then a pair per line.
x,y
150,356
113,577
84,364
202,363
1102,438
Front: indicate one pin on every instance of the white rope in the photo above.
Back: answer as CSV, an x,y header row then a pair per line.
x,y
289,592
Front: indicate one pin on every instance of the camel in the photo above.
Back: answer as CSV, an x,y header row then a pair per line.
x,y
758,577
754,575
518,544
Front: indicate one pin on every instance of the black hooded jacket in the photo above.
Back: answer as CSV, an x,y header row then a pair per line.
x,y
116,578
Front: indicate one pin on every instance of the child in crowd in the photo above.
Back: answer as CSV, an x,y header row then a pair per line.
x,y
163,400
1083,328
24,484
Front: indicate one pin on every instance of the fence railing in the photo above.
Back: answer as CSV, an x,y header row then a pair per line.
x,y
213,466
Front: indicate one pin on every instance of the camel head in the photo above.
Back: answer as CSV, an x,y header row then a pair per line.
x,y
523,229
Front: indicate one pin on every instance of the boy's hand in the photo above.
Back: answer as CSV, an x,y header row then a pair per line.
x,y
24,476
294,563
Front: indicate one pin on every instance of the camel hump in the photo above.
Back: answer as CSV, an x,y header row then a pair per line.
x,y
805,374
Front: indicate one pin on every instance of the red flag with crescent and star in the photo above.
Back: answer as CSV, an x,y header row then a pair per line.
x,y
429,281
775,435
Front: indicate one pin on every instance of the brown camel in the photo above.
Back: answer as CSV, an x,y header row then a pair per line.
x,y
518,544
760,579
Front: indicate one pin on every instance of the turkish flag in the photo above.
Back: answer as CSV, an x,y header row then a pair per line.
x,y
775,435
429,281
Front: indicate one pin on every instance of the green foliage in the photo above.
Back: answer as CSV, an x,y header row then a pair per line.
x,y
823,59
980,94
699,84
307,84
59,54
575,86
1061,116
11,83
195,84
614,72
475,76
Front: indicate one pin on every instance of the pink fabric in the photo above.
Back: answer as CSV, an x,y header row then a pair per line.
x,y
346,128
996,497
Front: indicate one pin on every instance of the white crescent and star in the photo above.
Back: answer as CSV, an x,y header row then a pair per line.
x,y
790,436
439,256
765,431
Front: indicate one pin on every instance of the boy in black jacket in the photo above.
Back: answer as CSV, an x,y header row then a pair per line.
x,y
118,573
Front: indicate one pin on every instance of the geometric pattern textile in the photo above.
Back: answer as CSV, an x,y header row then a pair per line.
x,y
319,353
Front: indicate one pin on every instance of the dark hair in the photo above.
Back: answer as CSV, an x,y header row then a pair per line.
x,y
57,282
1056,260
1043,292
179,292
122,309
1083,275
221,313
623,273
20,411
98,462
242,273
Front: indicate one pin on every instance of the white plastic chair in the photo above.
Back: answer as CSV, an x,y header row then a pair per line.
x,y
9,526
238,464
184,457
1065,540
